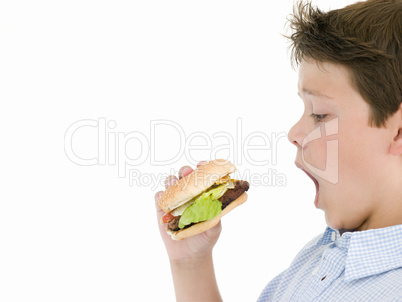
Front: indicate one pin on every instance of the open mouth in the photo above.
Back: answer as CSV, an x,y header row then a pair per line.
x,y
317,185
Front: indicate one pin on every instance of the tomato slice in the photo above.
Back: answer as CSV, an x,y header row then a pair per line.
x,y
167,217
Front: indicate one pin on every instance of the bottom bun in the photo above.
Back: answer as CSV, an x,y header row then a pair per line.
x,y
208,224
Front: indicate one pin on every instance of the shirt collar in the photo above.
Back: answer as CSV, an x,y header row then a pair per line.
x,y
327,237
369,252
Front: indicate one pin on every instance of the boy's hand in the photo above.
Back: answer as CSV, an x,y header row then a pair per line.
x,y
194,248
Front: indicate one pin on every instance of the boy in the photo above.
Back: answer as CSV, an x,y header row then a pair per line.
x,y
350,82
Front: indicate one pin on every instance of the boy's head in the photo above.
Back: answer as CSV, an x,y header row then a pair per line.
x,y
349,138
364,37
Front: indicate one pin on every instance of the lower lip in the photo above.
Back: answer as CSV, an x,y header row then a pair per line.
x,y
316,198
317,187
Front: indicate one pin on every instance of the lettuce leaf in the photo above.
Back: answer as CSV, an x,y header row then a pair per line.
x,y
206,207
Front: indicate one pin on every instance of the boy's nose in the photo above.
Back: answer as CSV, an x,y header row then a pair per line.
x,y
296,134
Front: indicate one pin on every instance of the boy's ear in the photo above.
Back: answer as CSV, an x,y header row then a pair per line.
x,y
396,144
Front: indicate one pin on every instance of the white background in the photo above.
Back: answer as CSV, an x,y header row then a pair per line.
x,y
70,232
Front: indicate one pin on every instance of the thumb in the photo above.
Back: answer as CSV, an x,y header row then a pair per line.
x,y
213,233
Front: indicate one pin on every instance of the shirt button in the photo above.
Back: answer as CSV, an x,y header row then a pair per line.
x,y
323,278
315,270
333,236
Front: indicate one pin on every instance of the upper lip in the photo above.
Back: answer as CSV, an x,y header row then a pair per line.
x,y
308,174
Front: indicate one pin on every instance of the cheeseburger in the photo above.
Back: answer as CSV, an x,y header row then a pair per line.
x,y
198,201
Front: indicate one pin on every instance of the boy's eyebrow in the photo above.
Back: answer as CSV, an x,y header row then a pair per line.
x,y
314,93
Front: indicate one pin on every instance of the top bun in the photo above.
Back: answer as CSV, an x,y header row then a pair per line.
x,y
195,183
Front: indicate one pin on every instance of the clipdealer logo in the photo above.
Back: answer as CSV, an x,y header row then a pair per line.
x,y
114,148
326,132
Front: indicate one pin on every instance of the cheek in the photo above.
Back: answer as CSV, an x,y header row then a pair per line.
x,y
356,157
314,150
358,142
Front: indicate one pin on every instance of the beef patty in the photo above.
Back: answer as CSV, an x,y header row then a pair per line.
x,y
241,186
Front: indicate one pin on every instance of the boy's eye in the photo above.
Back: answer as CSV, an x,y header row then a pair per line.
x,y
318,117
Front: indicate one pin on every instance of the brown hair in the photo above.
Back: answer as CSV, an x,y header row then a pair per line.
x,y
366,38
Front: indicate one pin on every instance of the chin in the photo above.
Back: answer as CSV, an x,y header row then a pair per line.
x,y
337,223
334,222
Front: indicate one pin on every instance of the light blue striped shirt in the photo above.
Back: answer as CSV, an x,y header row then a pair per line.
x,y
358,266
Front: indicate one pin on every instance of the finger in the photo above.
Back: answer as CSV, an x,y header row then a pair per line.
x,y
214,232
170,180
184,171
159,215
201,163
158,196
159,211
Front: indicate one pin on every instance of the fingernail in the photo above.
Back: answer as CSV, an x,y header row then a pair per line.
x,y
170,180
158,195
201,163
183,170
